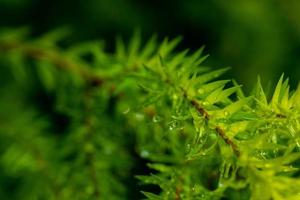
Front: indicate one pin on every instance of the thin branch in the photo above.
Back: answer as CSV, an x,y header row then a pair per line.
x,y
56,57
218,129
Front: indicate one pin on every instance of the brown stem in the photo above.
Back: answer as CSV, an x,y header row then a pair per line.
x,y
206,116
56,57
201,110
177,194
222,134
179,189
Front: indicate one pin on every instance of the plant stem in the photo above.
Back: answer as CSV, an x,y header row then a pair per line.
x,y
218,129
56,57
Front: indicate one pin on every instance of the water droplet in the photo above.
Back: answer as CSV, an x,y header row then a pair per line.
x,y
272,110
226,113
188,147
268,126
139,116
126,111
298,142
172,126
205,103
288,169
156,119
275,152
145,153
263,154
203,153
175,97
201,91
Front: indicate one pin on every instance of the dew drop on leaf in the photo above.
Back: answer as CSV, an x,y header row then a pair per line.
x,y
226,113
145,153
139,116
172,126
156,119
273,110
275,152
126,111
175,97
298,142
268,126
205,103
188,147
201,91
263,154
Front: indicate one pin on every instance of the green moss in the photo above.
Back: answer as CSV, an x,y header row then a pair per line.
x,y
81,123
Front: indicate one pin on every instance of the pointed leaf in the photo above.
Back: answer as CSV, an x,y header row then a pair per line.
x,y
120,48
239,91
276,95
194,57
152,196
231,109
177,60
259,93
168,46
204,78
220,94
296,97
149,48
134,45
209,87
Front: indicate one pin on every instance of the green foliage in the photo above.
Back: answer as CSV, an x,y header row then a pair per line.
x,y
80,123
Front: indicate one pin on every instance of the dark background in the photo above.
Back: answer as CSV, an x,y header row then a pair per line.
x,y
252,36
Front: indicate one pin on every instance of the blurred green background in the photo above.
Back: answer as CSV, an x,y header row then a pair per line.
x,y
252,36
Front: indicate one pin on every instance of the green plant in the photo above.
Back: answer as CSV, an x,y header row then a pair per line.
x,y
78,122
